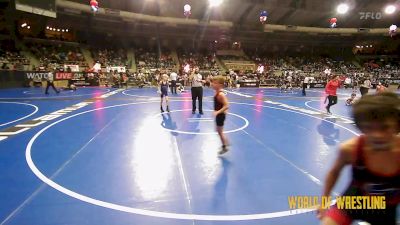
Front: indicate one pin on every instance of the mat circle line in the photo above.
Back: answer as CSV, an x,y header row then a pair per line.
x,y
54,97
24,117
205,133
151,213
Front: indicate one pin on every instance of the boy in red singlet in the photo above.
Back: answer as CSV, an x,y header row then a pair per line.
x,y
375,161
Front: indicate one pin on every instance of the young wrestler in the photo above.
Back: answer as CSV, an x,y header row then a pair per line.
x,y
163,89
375,161
221,105
350,101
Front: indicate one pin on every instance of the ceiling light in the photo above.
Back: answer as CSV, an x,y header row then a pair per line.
x,y
390,9
342,8
215,2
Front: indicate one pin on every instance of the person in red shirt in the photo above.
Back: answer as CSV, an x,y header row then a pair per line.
x,y
380,88
330,90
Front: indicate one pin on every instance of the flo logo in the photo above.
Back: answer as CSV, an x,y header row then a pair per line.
x,y
370,15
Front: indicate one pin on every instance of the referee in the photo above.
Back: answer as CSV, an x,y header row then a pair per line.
x,y
173,77
197,91
365,86
50,83
305,83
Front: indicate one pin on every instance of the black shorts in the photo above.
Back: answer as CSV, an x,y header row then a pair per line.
x,y
164,93
220,119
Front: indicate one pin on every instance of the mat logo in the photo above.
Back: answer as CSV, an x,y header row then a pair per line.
x,y
109,94
17,129
62,112
37,75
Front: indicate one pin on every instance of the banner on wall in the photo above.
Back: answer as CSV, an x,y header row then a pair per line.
x,y
119,69
34,75
74,68
249,83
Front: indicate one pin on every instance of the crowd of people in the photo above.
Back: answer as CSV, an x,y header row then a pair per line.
x,y
151,59
152,62
56,56
110,57
202,60
11,58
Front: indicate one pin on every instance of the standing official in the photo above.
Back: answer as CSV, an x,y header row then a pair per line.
x,y
173,77
305,83
197,91
50,83
365,86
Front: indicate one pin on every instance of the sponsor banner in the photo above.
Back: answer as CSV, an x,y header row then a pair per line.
x,y
317,85
80,76
74,68
72,76
58,75
389,81
36,75
241,66
9,79
119,69
268,82
249,83
63,76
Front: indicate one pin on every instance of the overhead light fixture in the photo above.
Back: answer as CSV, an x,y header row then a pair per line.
x,y
29,27
62,30
58,30
24,25
342,8
66,30
390,9
214,3
48,28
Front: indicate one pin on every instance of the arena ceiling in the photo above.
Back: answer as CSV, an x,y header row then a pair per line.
x,y
314,13
243,13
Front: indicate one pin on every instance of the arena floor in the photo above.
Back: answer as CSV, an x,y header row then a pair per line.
x,y
108,156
